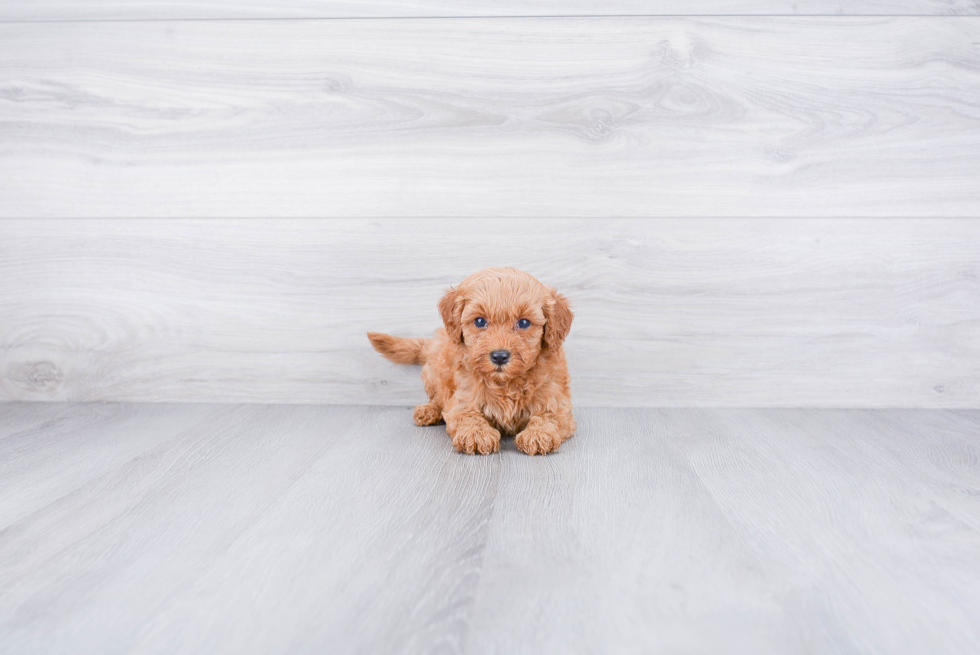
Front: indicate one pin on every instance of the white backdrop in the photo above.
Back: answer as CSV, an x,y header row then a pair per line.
x,y
745,210
669,312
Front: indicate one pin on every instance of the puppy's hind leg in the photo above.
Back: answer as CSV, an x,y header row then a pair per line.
x,y
428,414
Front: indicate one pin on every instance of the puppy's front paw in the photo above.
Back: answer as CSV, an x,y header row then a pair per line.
x,y
427,414
538,440
480,439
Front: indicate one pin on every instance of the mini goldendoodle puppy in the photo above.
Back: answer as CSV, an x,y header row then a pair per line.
x,y
497,367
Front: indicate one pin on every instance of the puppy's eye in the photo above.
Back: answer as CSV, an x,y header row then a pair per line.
x,y
480,322
524,324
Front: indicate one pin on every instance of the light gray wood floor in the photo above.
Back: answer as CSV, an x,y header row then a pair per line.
x,y
246,528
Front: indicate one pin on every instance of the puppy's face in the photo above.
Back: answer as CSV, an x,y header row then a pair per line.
x,y
504,318
503,340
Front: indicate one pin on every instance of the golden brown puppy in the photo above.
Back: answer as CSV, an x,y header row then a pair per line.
x,y
497,367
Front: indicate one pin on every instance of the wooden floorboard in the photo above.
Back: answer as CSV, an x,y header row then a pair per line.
x,y
616,546
242,528
803,487
586,117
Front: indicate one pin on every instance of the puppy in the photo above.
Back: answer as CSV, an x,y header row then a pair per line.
x,y
497,367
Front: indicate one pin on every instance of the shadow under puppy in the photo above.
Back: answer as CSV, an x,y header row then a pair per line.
x,y
497,367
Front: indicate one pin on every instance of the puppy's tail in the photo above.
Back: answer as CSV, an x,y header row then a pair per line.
x,y
399,349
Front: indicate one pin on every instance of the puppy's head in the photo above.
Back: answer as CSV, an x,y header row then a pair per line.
x,y
504,318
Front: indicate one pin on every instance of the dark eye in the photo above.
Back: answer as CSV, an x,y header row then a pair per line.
x,y
524,324
480,322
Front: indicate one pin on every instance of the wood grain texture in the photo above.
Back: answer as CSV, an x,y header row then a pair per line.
x,y
493,117
60,10
739,531
336,529
669,312
208,517
73,446
885,490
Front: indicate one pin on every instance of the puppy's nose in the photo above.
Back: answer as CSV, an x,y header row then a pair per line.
x,y
500,357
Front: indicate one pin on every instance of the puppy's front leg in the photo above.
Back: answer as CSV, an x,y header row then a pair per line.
x,y
544,433
471,433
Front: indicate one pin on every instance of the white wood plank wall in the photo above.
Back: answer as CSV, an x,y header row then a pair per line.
x,y
743,312
771,204
54,10
588,117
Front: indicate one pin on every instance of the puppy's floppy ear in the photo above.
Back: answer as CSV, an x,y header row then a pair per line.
x,y
558,320
451,308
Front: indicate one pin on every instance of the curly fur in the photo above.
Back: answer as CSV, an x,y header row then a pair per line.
x,y
527,398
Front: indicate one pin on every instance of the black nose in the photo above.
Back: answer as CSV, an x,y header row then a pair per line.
x,y
500,357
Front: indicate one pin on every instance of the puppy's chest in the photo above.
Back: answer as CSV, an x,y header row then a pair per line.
x,y
508,410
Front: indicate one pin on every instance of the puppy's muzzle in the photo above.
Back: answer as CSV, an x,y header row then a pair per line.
x,y
500,357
